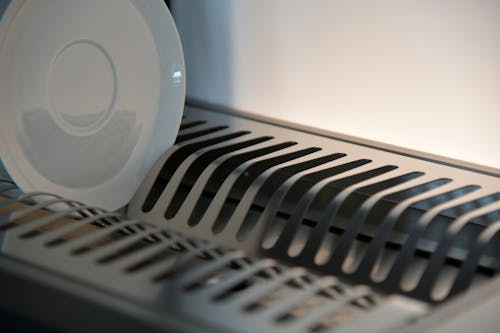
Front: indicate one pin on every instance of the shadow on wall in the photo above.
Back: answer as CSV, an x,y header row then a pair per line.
x,y
3,6
3,172
208,38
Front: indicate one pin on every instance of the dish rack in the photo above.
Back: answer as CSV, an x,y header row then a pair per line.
x,y
251,225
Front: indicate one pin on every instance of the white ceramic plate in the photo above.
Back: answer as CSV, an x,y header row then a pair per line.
x,y
91,94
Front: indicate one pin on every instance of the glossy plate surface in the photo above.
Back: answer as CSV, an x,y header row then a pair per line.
x,y
91,93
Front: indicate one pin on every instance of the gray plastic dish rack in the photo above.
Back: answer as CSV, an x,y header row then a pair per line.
x,y
249,225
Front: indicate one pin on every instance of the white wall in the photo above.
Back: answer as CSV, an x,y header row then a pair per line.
x,y
422,74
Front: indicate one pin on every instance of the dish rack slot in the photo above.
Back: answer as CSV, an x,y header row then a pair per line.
x,y
397,223
160,269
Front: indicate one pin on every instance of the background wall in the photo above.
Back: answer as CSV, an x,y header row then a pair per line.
x,y
3,173
419,74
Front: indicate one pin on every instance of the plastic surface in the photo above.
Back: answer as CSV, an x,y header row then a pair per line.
x,y
91,94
